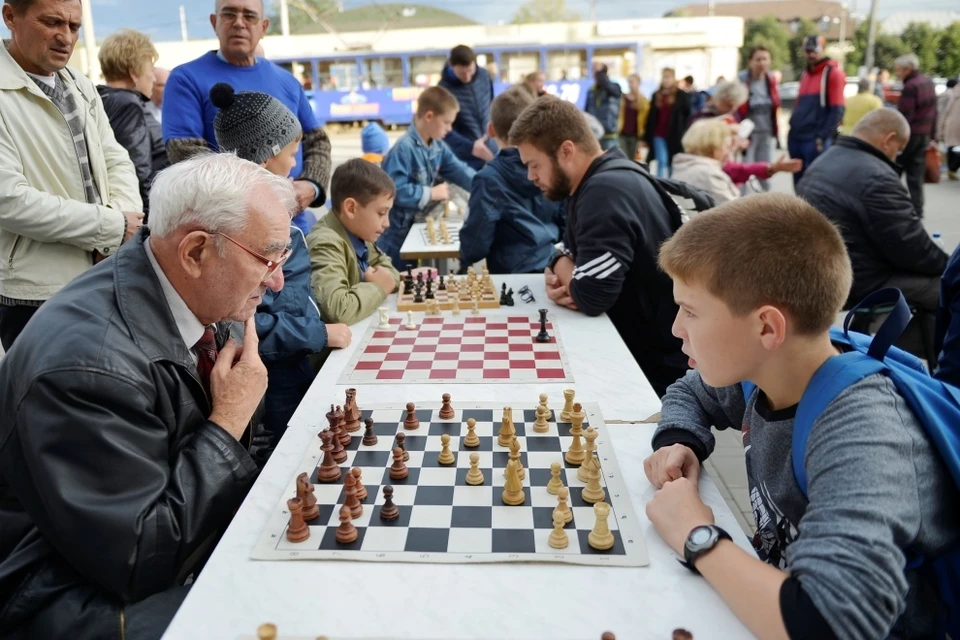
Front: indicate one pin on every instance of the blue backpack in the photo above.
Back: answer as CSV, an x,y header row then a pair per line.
x,y
935,403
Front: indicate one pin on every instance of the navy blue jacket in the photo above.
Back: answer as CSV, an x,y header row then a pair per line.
x,y
603,103
288,321
471,123
947,339
511,223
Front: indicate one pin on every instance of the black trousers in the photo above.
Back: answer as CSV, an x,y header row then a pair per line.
x,y
12,321
914,163
953,160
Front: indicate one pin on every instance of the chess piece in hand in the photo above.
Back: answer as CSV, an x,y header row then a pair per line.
x,y
236,387
338,336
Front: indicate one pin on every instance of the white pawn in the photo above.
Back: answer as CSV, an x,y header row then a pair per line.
x,y
562,505
558,537
474,475
410,323
471,440
384,318
456,304
476,306
541,425
555,484
543,402
446,456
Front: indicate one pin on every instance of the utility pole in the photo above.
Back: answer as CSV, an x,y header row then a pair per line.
x,y
284,18
872,37
89,39
711,8
183,23
843,35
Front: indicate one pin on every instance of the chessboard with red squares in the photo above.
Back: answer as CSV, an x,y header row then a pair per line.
x,y
459,349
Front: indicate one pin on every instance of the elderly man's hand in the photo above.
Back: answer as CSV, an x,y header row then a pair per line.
x,y
306,193
237,384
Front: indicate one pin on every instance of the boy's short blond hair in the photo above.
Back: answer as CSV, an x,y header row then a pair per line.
x,y
705,137
507,107
438,100
124,51
766,249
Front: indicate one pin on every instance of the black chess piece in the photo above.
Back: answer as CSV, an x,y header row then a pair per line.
x,y
409,275
543,336
503,294
510,298
419,295
420,278
442,285
430,295
408,286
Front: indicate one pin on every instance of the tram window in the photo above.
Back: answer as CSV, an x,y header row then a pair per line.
x,y
565,64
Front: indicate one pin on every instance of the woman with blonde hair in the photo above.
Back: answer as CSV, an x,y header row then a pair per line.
x,y
126,61
704,164
634,109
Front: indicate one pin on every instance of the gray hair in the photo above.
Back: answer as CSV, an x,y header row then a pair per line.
x,y
863,85
213,192
732,91
909,60
876,124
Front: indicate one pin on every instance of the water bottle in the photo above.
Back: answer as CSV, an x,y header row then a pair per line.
x,y
938,240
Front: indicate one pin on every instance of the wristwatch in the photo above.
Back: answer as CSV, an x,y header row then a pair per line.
x,y
700,541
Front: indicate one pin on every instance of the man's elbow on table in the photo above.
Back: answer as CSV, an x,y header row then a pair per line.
x,y
592,298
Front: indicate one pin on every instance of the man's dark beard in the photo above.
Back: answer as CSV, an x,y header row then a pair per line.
x,y
560,188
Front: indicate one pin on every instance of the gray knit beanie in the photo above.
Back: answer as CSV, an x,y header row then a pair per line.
x,y
252,124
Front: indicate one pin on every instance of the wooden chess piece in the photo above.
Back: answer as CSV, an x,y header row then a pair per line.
x,y
410,323
558,537
567,405
332,418
562,506
593,492
401,442
608,635
471,440
507,431
351,413
456,305
361,490
398,470
543,403
346,532
351,500
576,454
541,425
339,453
515,456
590,461
328,471
369,437
297,530
513,494
384,319
311,511
474,475
412,421
446,410
389,511
555,484
267,631
476,306
600,538
446,457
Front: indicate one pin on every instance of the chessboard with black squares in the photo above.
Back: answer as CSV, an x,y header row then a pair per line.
x,y
452,292
437,514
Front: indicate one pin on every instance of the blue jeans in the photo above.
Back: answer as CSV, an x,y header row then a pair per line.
x,y
661,152
288,383
805,150
609,143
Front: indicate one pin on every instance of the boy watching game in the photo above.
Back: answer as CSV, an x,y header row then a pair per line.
x,y
759,282
351,276
511,222
261,129
415,163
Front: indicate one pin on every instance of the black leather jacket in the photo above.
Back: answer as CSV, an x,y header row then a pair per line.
x,y
138,132
111,475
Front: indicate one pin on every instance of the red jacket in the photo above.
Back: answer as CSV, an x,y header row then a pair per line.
x,y
772,88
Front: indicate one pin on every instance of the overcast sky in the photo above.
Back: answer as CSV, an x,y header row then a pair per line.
x,y
161,18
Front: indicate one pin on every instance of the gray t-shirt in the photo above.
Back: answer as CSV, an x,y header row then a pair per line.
x,y
761,105
876,486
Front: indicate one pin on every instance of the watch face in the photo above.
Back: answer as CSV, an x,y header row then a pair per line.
x,y
700,535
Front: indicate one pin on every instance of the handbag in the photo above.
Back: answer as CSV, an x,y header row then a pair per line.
x,y
934,160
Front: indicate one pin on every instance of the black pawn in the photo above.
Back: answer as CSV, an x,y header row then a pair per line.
x,y
420,278
389,511
503,294
369,437
543,336
441,286
430,295
418,297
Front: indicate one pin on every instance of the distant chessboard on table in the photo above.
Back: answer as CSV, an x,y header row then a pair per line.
x,y
453,231
445,520
487,295
459,349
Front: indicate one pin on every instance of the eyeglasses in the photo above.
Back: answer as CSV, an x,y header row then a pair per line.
x,y
271,265
526,295
230,15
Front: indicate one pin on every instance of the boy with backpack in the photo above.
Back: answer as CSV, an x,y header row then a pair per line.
x,y
847,484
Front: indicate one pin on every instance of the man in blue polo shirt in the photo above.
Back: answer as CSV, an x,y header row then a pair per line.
x,y
188,112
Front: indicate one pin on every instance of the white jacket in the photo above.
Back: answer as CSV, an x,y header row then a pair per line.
x,y
706,174
48,232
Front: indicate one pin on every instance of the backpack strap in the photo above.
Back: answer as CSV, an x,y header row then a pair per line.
x,y
891,328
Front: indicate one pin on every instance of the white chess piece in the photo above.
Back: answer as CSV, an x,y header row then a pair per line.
x,y
410,323
384,318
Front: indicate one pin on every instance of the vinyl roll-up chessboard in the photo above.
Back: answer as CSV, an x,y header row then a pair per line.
x,y
445,520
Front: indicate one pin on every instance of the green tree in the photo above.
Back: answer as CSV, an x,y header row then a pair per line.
x,y
303,14
798,59
888,48
535,11
923,40
770,33
948,63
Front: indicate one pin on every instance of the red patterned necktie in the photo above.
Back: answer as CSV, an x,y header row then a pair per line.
x,y
206,349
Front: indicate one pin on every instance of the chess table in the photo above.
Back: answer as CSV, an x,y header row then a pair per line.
x,y
458,601
417,247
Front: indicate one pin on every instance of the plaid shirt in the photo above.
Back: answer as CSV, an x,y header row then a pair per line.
x,y
918,104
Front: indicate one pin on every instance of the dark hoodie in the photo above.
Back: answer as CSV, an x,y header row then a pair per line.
x,y
616,222
475,98
511,223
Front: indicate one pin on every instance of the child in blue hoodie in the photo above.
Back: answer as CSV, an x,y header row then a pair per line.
x,y
511,222
416,163
261,129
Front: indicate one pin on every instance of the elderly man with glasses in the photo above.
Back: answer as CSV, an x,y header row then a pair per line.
x,y
125,408
188,113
